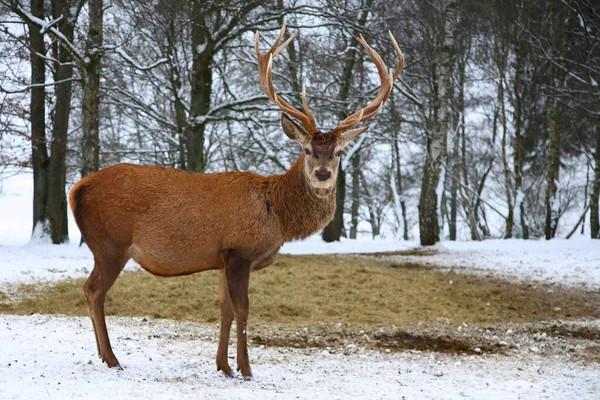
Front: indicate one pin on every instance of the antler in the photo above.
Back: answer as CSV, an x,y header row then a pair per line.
x,y
265,67
387,77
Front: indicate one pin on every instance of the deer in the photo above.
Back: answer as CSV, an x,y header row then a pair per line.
x,y
174,222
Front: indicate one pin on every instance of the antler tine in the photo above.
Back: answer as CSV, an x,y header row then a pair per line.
x,y
400,65
265,74
305,104
387,77
349,122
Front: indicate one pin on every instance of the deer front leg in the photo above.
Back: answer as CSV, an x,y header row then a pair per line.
x,y
226,320
238,278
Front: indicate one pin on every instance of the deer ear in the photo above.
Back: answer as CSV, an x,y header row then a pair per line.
x,y
348,136
292,130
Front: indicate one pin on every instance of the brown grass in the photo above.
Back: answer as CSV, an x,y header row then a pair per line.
x,y
323,289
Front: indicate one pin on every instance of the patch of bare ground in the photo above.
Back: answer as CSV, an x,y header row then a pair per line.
x,y
565,330
341,303
347,339
443,344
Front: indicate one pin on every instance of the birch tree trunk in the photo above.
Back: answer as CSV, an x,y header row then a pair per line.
x,y
456,150
500,59
519,148
436,142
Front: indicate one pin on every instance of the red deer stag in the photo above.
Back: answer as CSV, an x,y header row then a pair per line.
x,y
174,222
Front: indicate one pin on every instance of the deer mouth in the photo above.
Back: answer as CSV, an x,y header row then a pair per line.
x,y
322,184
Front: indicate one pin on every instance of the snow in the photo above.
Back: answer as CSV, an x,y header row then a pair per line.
x,y
315,245
200,48
167,360
558,261
16,211
137,65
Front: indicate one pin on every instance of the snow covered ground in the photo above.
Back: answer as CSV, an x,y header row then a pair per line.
x,y
568,262
54,357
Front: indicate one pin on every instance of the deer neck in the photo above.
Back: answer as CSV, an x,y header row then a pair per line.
x,y
302,210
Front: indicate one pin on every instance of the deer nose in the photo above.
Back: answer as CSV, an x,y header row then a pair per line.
x,y
323,175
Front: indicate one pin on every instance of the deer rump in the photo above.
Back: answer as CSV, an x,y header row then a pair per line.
x,y
174,222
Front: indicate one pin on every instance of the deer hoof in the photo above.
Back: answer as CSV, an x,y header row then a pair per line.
x,y
231,374
247,376
117,367
226,371
113,364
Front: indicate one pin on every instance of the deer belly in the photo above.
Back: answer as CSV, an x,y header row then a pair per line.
x,y
164,261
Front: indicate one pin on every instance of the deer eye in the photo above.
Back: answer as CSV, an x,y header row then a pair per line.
x,y
307,151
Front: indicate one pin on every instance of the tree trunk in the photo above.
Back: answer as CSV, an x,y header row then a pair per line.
x,y
397,190
201,88
456,151
553,165
91,90
355,195
37,108
500,56
595,195
507,181
373,220
396,167
333,231
49,199
519,148
553,158
471,211
436,142
56,208
169,10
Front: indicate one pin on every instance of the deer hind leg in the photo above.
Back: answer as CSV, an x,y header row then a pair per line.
x,y
238,278
87,289
106,270
226,320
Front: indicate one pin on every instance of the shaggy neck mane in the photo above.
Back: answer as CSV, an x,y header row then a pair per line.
x,y
302,209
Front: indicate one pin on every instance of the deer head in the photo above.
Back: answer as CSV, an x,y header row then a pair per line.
x,y
323,149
